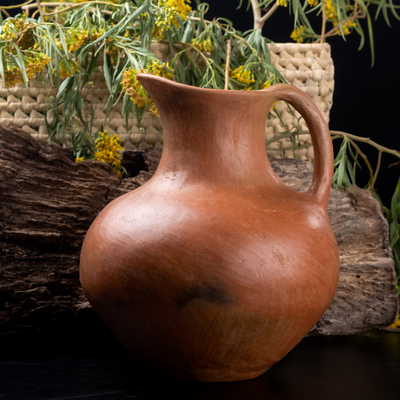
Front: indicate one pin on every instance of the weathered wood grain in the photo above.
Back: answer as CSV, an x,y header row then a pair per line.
x,y
47,203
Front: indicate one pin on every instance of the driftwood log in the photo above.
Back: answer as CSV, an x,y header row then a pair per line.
x,y
47,203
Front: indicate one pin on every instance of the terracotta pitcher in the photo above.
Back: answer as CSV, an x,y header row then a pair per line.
x,y
214,269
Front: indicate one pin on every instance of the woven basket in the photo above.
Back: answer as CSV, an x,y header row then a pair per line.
x,y
307,66
310,68
28,110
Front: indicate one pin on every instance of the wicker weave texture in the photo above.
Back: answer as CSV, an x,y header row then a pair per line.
x,y
28,110
307,66
310,68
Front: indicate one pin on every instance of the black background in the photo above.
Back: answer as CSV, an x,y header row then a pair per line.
x,y
366,99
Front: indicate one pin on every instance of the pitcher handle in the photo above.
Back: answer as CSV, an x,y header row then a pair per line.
x,y
320,135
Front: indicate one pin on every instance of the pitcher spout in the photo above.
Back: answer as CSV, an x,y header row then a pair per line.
x,y
179,100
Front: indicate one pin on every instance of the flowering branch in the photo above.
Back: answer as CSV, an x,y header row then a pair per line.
x,y
357,14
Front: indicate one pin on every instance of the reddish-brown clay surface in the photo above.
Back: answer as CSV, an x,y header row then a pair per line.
x,y
214,269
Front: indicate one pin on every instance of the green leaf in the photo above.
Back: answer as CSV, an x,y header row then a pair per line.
x,y
20,62
360,31
371,39
91,66
385,13
2,64
341,172
344,174
188,34
110,102
106,72
265,51
240,4
64,85
350,172
57,51
126,107
121,25
226,20
300,15
280,118
340,19
62,39
381,6
91,119
132,60
393,10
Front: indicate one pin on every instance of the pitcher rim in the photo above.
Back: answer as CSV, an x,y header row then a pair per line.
x,y
196,88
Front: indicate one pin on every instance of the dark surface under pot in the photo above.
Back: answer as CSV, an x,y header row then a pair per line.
x,y
96,367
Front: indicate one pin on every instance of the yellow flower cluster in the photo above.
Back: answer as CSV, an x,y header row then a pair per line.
x,y
133,87
114,52
242,75
64,71
168,15
75,38
347,25
12,75
204,45
265,85
96,34
298,34
333,16
18,30
312,3
107,151
8,33
153,110
282,3
330,10
34,63
180,7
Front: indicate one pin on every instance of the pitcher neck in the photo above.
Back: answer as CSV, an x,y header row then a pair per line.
x,y
224,148
211,135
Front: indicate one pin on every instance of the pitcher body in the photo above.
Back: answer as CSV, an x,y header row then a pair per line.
x,y
214,270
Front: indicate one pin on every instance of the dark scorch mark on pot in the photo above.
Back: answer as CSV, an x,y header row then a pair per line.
x,y
211,294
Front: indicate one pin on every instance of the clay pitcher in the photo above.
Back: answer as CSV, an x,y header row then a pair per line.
x,y
214,269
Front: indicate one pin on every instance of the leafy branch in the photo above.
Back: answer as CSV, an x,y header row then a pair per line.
x,y
344,15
